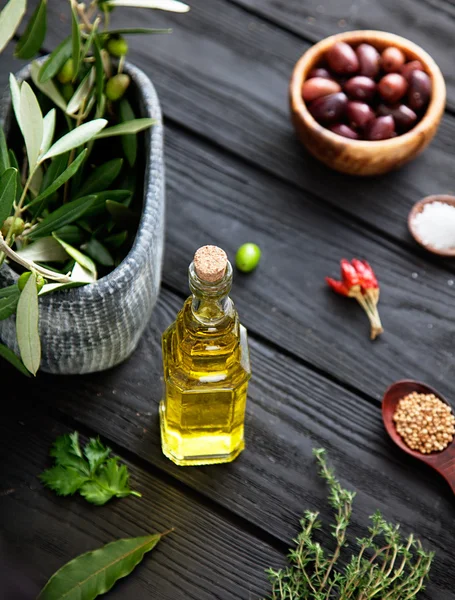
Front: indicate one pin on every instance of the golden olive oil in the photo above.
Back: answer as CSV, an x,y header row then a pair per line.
x,y
206,373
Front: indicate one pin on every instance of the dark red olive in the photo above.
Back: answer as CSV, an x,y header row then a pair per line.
x,y
392,59
408,68
359,114
342,58
419,90
319,86
360,88
345,131
329,109
320,72
369,60
392,87
404,117
381,128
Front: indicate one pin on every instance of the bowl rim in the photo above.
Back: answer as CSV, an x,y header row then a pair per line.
x,y
417,208
433,113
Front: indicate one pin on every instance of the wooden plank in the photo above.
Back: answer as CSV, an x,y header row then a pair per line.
x,y
429,24
205,557
230,85
290,411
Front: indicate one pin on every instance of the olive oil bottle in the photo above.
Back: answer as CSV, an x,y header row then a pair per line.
x,y
206,369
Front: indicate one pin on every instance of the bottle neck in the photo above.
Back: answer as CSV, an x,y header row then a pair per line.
x,y
211,303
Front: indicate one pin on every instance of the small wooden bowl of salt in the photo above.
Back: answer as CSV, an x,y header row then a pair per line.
x,y
432,224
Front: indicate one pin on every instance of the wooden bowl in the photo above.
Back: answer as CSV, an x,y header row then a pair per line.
x,y
443,462
418,208
359,157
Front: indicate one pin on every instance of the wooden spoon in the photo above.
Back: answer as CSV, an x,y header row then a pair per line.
x,y
418,208
444,461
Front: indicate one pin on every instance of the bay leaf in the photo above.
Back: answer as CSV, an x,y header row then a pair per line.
x,y
95,572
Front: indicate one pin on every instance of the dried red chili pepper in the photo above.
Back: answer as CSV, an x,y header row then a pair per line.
x,y
368,281
337,286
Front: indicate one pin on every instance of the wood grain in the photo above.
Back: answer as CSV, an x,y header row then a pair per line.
x,y
206,557
224,75
429,24
290,411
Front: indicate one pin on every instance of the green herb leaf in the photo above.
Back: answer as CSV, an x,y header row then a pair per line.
x,y
134,126
96,453
94,573
101,178
10,18
65,481
67,453
48,131
48,88
117,240
49,288
8,183
101,197
81,276
129,142
71,234
8,304
44,250
76,41
31,124
15,91
61,179
81,94
65,214
98,252
27,326
170,5
136,30
80,258
33,37
111,480
77,137
8,291
15,165
4,157
56,60
121,214
9,355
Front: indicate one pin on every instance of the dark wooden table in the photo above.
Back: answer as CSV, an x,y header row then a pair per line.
x,y
235,173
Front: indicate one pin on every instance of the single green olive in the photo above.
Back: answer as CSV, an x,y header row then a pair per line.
x,y
40,281
117,86
67,91
117,46
17,229
66,73
248,257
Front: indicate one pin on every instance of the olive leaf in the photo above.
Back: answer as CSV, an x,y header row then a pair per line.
x,y
98,252
94,573
101,178
81,275
133,126
60,180
44,250
80,95
9,355
27,326
100,203
33,37
71,234
56,60
10,18
117,239
48,88
170,5
121,214
4,157
129,142
76,41
15,91
80,258
31,121
8,182
8,304
48,131
65,214
77,137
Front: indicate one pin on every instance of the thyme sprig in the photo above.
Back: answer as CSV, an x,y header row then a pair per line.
x,y
386,566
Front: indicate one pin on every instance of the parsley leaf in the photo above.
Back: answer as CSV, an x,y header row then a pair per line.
x,y
92,473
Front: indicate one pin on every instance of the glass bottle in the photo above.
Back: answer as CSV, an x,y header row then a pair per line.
x,y
206,369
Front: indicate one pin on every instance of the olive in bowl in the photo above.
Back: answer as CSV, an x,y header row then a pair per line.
x,y
385,100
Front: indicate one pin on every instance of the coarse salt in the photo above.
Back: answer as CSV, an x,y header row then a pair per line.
x,y
435,225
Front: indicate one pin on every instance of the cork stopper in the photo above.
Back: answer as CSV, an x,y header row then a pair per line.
x,y
210,263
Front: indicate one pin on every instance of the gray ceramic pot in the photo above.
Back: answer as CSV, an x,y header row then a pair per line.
x,y
97,326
